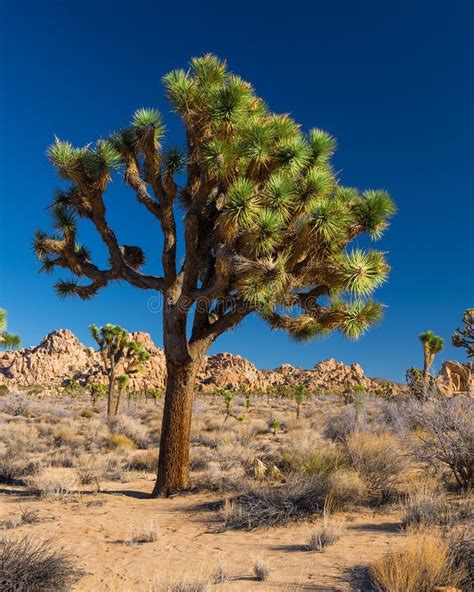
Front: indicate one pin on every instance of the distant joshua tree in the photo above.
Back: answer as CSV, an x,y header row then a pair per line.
x,y
116,348
267,229
432,344
7,340
464,337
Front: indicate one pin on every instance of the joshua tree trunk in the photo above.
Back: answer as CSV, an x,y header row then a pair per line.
x,y
117,402
110,391
173,464
426,373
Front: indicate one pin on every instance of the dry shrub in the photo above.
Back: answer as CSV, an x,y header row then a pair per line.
x,y
341,424
15,468
446,437
120,441
420,565
15,405
24,516
53,482
460,541
142,533
379,461
261,570
328,532
144,460
426,507
346,488
307,458
131,428
263,506
187,584
30,566
214,478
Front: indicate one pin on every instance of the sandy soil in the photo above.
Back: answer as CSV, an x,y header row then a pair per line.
x,y
93,527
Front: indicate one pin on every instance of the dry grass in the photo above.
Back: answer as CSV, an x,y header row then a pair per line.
x,y
420,565
142,533
31,566
328,532
261,570
53,483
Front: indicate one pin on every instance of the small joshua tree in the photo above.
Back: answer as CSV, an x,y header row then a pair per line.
x,y
300,392
228,398
7,340
117,349
464,337
96,391
267,229
432,344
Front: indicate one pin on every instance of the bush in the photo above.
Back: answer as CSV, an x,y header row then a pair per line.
x,y
132,428
426,508
342,424
120,441
316,459
261,570
53,482
30,566
144,460
143,533
325,534
346,488
24,516
273,506
446,437
16,405
460,541
378,460
422,564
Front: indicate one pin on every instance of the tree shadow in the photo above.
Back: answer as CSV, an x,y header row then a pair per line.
x,y
128,493
291,548
383,527
17,492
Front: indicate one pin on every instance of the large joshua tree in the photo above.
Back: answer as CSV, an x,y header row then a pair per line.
x,y
267,229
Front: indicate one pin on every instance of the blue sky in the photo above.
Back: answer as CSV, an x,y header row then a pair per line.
x,y
391,80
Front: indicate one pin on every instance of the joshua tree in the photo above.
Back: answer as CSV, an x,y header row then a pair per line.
x,y
267,229
116,348
465,337
96,391
298,395
432,344
7,340
122,382
228,398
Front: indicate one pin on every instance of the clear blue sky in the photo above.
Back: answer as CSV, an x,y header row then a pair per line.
x,y
391,80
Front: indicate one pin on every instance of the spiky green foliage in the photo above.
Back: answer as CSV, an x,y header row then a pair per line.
x,y
7,340
464,337
269,228
433,343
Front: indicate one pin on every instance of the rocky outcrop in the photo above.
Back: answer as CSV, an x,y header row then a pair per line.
x,y
61,357
455,378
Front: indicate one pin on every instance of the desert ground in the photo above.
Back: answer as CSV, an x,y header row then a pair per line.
x,y
277,502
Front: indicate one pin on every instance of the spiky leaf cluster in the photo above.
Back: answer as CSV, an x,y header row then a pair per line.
x,y
268,227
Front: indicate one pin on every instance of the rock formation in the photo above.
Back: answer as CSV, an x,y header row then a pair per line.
x,y
61,357
455,378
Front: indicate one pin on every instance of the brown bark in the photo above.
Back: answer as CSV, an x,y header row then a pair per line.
x,y
110,391
173,463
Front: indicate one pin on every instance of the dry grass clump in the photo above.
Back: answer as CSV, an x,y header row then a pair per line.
x,y
265,506
187,585
379,461
144,460
121,441
53,482
132,428
142,533
426,507
420,565
24,516
261,570
309,457
328,532
460,541
346,488
16,468
30,566
221,574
